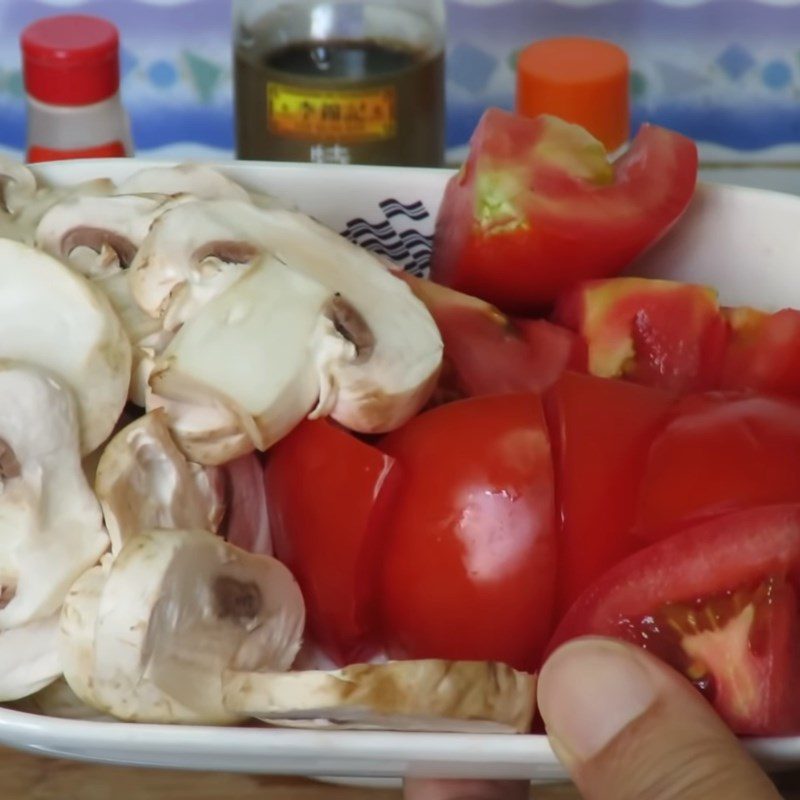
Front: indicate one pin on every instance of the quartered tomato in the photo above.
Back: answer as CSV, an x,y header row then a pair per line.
x,y
538,207
470,553
601,432
658,333
719,453
325,492
763,352
486,352
719,602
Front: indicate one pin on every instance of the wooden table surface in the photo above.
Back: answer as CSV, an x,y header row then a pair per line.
x,y
25,777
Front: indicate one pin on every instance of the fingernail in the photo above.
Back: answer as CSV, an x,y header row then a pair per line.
x,y
589,691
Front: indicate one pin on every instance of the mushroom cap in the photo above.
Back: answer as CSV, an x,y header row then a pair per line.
x,y
143,482
98,235
430,695
192,254
76,631
241,374
28,658
58,700
198,180
177,610
51,526
17,185
53,318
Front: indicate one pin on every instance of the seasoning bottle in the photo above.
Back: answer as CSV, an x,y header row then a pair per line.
x,y
584,81
71,74
341,81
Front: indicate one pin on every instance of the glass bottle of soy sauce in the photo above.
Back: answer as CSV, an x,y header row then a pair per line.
x,y
340,81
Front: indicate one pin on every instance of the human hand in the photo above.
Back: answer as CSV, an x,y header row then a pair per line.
x,y
627,728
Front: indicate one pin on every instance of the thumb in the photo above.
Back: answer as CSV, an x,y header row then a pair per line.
x,y
628,728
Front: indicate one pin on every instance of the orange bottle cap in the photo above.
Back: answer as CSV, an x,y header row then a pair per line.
x,y
585,81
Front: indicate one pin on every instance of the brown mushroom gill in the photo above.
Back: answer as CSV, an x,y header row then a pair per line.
x,y
9,465
231,252
237,600
351,325
97,238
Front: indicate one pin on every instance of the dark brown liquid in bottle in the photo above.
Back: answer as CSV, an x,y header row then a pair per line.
x,y
360,102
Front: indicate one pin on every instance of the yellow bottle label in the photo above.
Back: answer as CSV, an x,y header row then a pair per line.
x,y
336,115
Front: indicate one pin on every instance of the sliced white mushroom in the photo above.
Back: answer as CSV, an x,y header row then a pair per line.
x,y
98,236
58,700
459,696
17,185
198,180
53,318
177,610
241,373
77,623
193,253
51,526
143,482
27,220
391,364
28,658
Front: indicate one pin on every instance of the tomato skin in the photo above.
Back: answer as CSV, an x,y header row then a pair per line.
x,y
664,334
601,432
537,207
719,453
764,351
470,554
326,492
708,560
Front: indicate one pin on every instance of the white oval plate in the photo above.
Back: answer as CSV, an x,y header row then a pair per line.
x,y
745,242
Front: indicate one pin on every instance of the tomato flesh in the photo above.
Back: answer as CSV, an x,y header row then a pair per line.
x,y
764,351
601,432
538,207
326,491
719,453
468,569
717,601
486,352
658,333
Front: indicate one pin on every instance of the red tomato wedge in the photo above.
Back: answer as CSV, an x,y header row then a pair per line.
x,y
538,207
486,352
719,453
601,432
246,524
470,552
325,492
658,333
763,352
718,602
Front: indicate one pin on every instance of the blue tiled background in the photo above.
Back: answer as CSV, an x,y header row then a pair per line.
x,y
724,71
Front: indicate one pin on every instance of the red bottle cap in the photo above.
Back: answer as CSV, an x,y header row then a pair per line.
x,y
71,60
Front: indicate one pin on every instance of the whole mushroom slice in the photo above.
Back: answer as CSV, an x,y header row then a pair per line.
x,y
198,180
432,695
98,236
17,185
394,351
76,631
143,482
241,373
28,658
51,526
53,318
177,610
193,253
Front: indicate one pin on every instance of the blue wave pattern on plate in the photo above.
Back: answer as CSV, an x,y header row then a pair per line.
x,y
394,236
724,71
